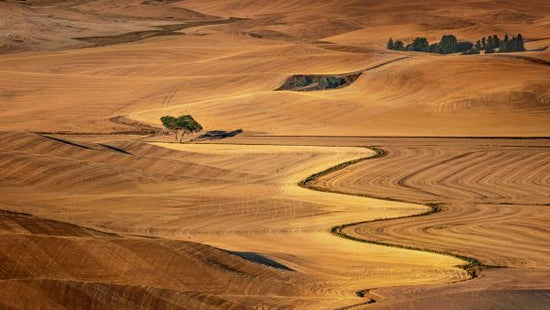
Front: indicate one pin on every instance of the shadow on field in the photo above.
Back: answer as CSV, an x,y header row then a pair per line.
x,y
259,259
218,135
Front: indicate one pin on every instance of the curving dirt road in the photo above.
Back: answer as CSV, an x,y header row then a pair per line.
x,y
494,206
234,212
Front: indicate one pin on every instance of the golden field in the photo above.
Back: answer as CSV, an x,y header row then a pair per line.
x,y
423,184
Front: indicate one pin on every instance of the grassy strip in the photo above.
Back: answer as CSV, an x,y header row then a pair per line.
x,y
470,267
304,183
471,263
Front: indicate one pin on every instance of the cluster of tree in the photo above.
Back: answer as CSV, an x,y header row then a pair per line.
x,y
493,43
397,45
318,81
181,125
449,44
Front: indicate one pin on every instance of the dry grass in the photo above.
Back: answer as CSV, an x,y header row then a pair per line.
x,y
494,202
113,221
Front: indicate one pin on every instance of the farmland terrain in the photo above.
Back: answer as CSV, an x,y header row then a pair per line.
x,y
332,173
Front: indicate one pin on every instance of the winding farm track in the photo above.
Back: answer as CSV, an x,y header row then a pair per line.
x,y
99,202
191,200
494,206
487,193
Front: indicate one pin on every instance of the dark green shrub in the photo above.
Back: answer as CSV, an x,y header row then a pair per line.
x,y
434,48
448,44
473,51
398,45
419,45
464,46
390,44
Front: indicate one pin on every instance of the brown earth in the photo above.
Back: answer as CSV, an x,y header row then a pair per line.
x,y
100,212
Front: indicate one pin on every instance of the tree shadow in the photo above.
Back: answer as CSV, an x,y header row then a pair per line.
x,y
218,135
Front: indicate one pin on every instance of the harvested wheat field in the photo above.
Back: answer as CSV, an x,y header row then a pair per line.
x,y
324,166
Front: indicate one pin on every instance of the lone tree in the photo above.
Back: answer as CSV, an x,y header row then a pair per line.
x,y
182,125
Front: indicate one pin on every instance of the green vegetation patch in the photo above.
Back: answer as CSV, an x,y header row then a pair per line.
x,y
319,82
449,44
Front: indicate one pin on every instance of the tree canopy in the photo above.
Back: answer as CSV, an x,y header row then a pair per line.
x,y
398,45
493,43
449,44
419,45
390,44
515,44
184,124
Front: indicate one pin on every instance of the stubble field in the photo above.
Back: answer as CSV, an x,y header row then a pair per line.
x,y
101,210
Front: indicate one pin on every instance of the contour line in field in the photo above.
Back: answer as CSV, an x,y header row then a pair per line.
x,y
471,263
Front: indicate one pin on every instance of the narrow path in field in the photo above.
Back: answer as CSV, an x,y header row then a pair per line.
x,y
471,265
310,232
493,199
